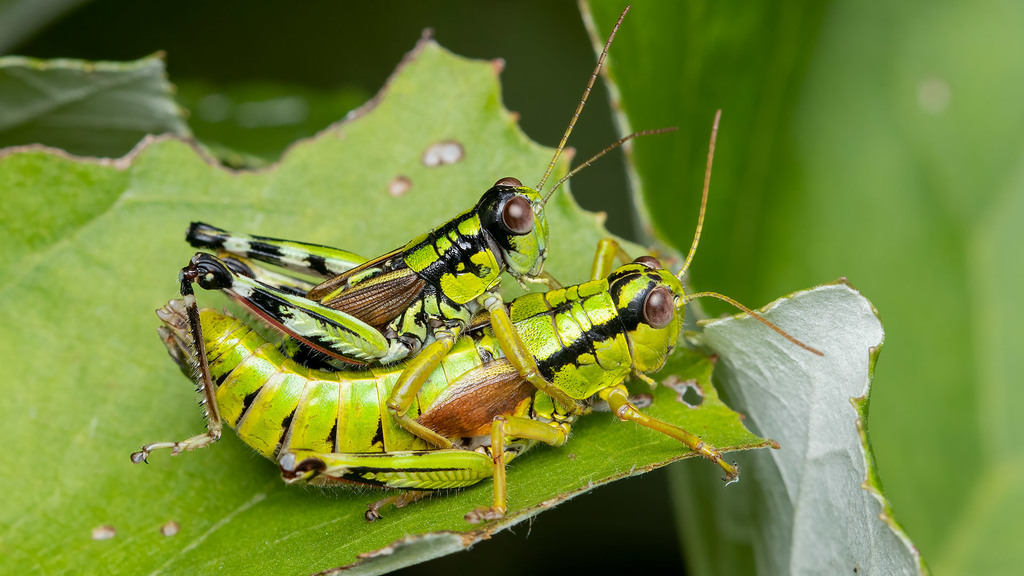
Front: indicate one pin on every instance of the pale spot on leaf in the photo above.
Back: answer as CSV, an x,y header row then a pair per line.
x,y
104,532
447,152
170,528
399,185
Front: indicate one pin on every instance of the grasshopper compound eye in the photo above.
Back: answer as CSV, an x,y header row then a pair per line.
x,y
517,215
659,308
650,262
509,181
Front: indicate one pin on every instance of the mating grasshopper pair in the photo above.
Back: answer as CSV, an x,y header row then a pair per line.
x,y
472,390
333,426
413,302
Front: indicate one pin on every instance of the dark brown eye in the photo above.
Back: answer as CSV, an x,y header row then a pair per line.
x,y
659,308
517,215
650,262
509,181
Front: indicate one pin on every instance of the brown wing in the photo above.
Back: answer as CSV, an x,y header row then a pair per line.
x,y
375,292
480,395
381,299
391,261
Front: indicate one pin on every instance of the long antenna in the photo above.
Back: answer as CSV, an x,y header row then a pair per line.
x,y
583,101
696,241
620,142
756,316
704,198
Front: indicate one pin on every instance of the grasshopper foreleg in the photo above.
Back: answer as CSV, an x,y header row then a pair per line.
x,y
411,380
607,251
520,357
618,400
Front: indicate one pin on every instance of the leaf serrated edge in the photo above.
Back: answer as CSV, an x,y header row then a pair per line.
x,y
155,59
873,482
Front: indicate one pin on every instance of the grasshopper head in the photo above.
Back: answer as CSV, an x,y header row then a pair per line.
x,y
646,297
512,216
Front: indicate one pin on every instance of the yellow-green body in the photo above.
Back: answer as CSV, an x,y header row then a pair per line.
x,y
293,413
342,410
331,425
550,323
330,411
279,406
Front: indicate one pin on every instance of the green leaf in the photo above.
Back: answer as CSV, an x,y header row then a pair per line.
x,y
93,247
85,108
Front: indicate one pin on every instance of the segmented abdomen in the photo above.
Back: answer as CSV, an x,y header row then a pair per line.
x,y
275,403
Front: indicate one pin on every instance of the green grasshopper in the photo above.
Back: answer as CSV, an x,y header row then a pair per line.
x,y
414,301
334,426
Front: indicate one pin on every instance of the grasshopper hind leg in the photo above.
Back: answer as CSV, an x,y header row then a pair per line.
x,y
182,334
315,260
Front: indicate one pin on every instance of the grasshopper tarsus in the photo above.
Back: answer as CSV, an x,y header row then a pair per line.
x,y
733,476
484,514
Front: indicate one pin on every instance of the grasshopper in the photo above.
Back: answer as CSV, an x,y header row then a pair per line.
x,y
334,426
413,301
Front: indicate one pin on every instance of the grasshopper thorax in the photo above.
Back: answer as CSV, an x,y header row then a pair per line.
x,y
512,216
647,298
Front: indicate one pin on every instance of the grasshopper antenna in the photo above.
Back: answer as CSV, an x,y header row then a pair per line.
x,y
755,316
704,197
696,241
620,142
583,101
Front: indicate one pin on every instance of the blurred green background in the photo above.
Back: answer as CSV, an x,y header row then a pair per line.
x,y
873,140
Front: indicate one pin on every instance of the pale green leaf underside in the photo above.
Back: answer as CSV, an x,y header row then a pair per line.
x,y
818,497
93,247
